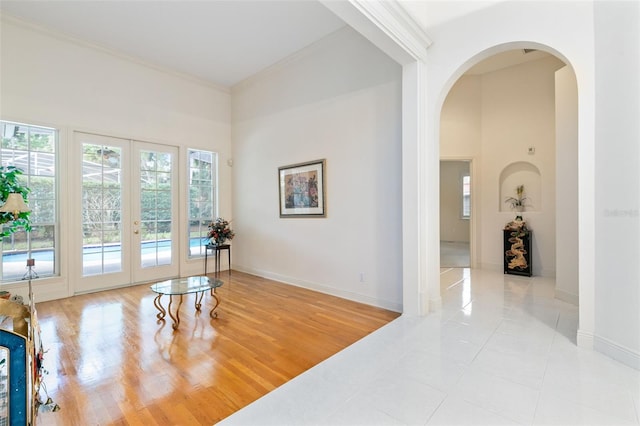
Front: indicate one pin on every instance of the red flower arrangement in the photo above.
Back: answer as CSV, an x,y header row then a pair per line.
x,y
219,232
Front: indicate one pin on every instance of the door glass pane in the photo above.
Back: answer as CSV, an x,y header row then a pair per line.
x,y
101,209
155,208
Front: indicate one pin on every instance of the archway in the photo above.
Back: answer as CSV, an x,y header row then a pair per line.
x,y
502,90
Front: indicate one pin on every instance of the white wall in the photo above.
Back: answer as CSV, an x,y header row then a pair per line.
x,y
338,100
461,119
54,81
518,113
617,177
567,249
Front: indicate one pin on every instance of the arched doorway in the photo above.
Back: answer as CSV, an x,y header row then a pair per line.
x,y
512,111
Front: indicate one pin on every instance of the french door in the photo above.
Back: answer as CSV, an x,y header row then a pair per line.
x,y
129,214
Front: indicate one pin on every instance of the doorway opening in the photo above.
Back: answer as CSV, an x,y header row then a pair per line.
x,y
455,213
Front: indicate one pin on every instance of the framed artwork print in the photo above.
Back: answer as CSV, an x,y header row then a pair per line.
x,y
302,191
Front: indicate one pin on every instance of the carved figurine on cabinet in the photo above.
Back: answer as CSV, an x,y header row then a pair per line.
x,y
517,248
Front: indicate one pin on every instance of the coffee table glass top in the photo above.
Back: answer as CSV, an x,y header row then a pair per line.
x,y
186,285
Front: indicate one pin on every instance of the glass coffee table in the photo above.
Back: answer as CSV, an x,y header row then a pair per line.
x,y
180,287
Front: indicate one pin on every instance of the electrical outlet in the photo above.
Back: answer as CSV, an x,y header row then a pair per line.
x,y
361,277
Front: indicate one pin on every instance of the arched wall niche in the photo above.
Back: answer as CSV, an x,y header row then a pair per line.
x,y
516,174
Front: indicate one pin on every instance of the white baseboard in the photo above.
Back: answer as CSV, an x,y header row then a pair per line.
x,y
546,273
618,352
567,297
435,305
380,303
491,267
584,339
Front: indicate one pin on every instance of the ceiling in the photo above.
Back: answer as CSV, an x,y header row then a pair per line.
x,y
221,42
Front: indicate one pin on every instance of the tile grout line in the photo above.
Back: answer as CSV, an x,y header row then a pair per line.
x,y
546,367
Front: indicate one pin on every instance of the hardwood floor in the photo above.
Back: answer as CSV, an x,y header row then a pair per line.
x,y
110,362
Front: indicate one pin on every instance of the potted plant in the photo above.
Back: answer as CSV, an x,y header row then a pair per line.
x,y
518,202
10,184
219,232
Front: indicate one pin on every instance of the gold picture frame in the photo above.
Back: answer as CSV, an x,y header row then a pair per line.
x,y
302,189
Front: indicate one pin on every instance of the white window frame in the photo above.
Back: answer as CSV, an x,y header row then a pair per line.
x,y
42,208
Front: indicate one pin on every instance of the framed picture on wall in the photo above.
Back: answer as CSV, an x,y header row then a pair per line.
x,y
302,189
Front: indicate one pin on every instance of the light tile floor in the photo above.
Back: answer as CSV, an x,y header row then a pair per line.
x,y
502,351
454,254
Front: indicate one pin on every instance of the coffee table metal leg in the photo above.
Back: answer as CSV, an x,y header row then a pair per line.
x,y
176,319
214,314
198,301
158,304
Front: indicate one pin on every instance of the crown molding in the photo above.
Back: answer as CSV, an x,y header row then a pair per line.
x,y
398,24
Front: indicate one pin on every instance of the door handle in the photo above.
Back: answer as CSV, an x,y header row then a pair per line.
x,y
136,232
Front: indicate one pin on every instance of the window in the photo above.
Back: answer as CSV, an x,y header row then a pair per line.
x,y
202,197
466,197
32,149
